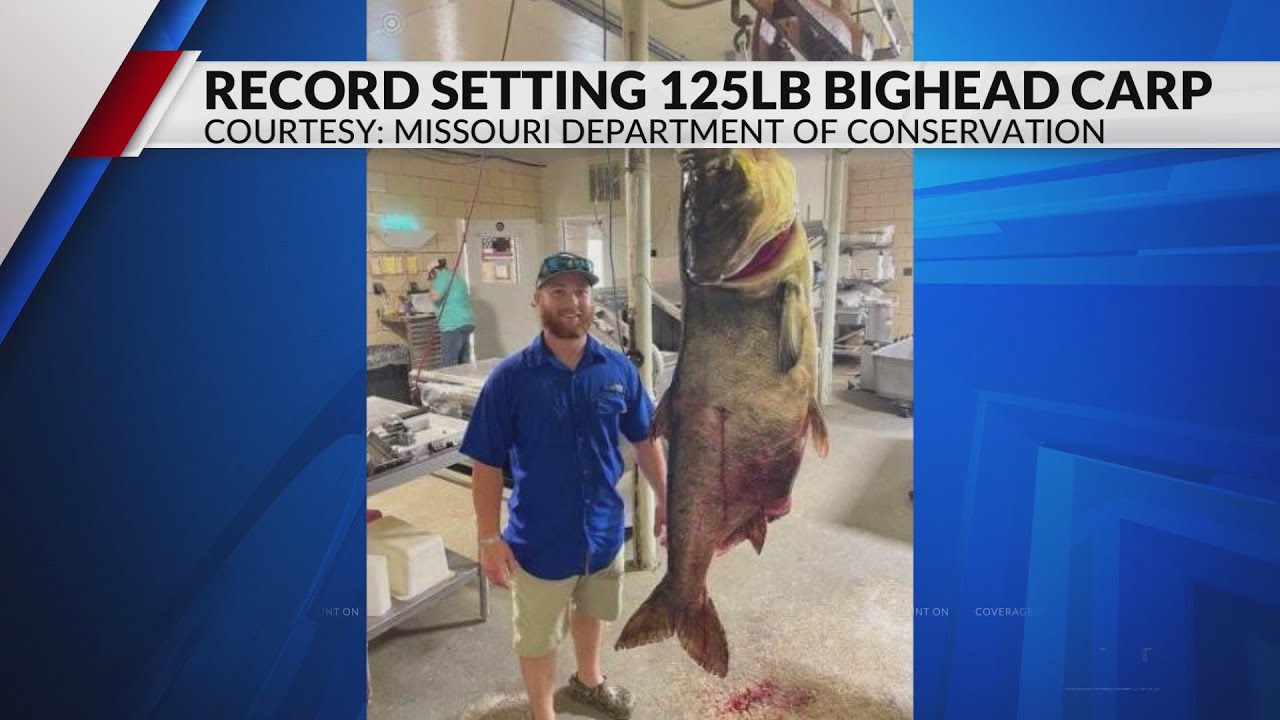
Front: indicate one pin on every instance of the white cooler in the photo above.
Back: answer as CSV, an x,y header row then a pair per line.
x,y
377,586
415,558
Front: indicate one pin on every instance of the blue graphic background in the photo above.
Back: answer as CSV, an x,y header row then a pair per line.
x,y
181,415
1098,423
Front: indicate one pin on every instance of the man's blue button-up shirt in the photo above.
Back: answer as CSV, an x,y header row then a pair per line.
x,y
557,429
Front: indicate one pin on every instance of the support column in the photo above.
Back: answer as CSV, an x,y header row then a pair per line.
x,y
836,173
635,39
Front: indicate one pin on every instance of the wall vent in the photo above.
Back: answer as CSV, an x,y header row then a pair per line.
x,y
604,182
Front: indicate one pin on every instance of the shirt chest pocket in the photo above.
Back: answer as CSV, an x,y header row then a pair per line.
x,y
611,399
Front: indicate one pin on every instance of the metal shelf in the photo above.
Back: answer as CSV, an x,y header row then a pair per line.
x,y
849,283
849,248
404,473
464,571
421,333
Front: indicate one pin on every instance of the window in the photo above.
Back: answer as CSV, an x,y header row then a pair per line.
x,y
604,182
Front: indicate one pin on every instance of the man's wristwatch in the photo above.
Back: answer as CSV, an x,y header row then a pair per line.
x,y
490,540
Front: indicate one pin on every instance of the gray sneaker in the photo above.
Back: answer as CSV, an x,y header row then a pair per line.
x,y
610,699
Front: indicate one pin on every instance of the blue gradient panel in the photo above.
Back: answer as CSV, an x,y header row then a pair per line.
x,y
181,418
169,24
43,233
1098,423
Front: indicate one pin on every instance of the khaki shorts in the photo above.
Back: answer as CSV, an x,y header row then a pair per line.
x,y
541,607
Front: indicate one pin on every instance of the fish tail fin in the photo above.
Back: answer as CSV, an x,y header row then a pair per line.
x,y
654,621
698,627
702,636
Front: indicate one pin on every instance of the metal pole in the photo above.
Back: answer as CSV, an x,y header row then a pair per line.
x,y
635,40
831,266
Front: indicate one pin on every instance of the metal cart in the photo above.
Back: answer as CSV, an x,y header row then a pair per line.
x,y
464,569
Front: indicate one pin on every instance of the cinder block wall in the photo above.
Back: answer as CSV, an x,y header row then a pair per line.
x,y
879,193
436,190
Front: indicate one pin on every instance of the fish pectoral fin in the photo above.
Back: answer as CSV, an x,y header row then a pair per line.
x,y
818,427
662,416
757,528
754,529
792,326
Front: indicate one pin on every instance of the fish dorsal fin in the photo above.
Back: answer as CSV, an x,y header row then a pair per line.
x,y
817,427
792,324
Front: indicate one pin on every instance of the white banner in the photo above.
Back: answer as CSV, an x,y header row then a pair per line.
x,y
881,104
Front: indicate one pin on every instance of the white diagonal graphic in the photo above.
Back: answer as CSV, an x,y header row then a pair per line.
x,y
56,59
164,98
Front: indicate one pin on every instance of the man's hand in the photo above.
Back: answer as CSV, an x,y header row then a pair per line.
x,y
653,464
498,563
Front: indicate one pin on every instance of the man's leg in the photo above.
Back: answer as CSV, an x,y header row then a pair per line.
x,y
464,352
539,679
597,600
449,348
587,632
539,608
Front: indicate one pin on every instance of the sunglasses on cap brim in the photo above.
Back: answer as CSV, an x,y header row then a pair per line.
x,y
564,263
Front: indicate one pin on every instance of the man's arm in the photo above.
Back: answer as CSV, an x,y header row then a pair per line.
x,y
486,495
653,465
488,440
437,287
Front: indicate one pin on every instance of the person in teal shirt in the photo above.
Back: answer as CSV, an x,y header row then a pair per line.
x,y
453,307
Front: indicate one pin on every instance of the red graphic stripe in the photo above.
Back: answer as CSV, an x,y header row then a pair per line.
x,y
125,102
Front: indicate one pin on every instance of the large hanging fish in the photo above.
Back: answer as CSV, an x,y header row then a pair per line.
x,y
743,398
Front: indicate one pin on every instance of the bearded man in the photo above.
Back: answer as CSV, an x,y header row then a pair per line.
x,y
553,413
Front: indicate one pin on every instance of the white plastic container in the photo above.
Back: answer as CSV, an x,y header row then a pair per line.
x,y
894,376
415,558
377,586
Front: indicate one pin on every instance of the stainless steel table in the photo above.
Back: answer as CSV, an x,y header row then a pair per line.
x,y
402,474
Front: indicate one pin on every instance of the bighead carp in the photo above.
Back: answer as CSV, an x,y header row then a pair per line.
x,y
743,398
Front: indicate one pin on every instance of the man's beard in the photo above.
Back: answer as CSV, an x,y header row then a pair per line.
x,y
562,328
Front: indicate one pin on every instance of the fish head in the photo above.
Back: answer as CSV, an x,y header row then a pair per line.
x,y
737,212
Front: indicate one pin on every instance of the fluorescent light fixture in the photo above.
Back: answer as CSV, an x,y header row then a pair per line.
x,y
400,221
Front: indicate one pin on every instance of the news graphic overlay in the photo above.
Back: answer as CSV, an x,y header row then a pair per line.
x,y
558,105
1097,442
182,379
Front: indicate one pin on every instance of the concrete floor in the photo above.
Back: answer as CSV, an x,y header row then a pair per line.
x,y
819,625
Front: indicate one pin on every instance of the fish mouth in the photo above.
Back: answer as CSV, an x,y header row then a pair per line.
x,y
764,256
